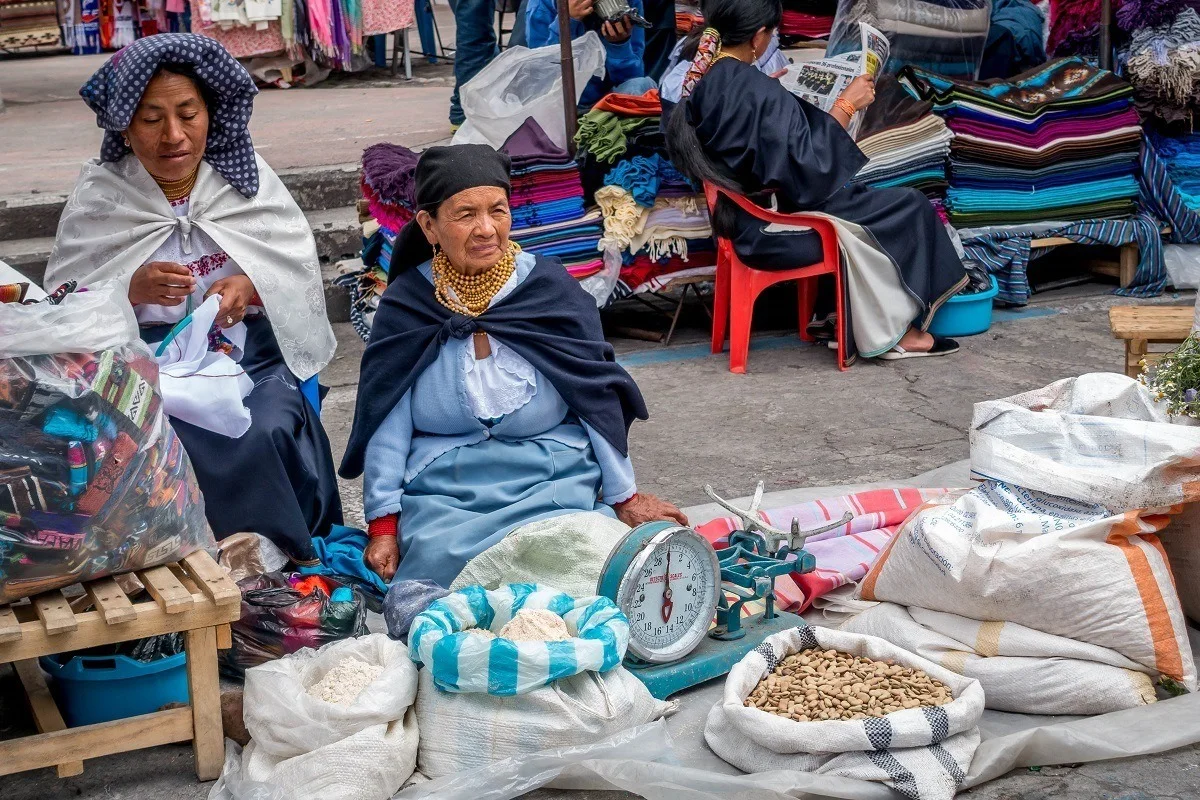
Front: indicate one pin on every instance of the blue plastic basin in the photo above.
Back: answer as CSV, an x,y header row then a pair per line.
x,y
91,689
965,314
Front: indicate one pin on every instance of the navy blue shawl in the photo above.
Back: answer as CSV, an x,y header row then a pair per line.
x,y
548,319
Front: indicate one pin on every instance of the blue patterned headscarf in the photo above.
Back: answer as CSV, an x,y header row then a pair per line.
x,y
117,87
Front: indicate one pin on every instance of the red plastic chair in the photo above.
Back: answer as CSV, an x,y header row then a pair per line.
x,y
738,286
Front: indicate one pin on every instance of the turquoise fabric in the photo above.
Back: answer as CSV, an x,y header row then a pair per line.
x,y
471,497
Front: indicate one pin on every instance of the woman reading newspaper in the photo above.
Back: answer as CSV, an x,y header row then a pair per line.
x,y
745,132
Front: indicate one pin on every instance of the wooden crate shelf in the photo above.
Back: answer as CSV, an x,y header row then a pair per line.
x,y
193,596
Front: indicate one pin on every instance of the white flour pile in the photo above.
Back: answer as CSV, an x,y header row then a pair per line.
x,y
345,682
482,633
535,625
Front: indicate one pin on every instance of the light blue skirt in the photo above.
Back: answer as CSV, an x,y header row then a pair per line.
x,y
472,497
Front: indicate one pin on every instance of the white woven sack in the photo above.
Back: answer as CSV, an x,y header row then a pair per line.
x,y
313,749
1056,565
1098,438
1181,540
922,752
1021,670
464,731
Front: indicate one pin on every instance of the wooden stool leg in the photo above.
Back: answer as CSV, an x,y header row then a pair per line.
x,y
45,711
1129,262
208,739
1135,350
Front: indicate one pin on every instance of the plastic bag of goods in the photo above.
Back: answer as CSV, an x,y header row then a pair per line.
x,y
1181,541
834,703
521,83
484,697
1062,567
331,724
93,480
282,614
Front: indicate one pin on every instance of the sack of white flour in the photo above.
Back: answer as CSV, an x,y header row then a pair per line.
x,y
463,731
1064,567
921,752
335,723
1021,670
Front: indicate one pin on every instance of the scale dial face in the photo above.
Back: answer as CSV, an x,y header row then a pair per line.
x,y
669,594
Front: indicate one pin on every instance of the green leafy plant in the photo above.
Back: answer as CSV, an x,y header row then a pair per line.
x,y
1175,379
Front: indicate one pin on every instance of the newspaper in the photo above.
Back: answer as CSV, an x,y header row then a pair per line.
x,y
822,82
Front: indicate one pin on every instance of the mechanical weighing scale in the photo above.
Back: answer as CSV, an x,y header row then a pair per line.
x,y
671,584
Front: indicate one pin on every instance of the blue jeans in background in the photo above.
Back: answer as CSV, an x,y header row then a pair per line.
x,y
475,46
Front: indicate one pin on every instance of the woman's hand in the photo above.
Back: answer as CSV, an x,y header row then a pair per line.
x,y
861,92
382,556
617,32
580,9
160,283
236,293
643,508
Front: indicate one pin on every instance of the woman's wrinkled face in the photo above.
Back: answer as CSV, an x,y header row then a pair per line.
x,y
471,227
170,127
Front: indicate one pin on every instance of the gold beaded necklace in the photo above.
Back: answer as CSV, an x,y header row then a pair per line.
x,y
177,190
472,293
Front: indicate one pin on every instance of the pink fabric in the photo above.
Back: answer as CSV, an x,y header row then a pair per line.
x,y
1046,133
843,555
241,41
386,16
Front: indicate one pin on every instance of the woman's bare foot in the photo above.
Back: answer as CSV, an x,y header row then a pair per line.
x,y
915,341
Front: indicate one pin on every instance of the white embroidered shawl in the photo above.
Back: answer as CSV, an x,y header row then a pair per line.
x,y
116,218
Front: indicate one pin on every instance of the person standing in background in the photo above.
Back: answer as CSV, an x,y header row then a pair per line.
x,y
476,43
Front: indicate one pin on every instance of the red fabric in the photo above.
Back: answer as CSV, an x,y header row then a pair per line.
x,y
631,105
643,269
383,526
797,23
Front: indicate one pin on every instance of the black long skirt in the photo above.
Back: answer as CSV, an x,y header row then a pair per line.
x,y
278,478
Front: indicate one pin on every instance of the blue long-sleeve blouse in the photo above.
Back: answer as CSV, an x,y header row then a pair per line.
x,y
622,61
440,414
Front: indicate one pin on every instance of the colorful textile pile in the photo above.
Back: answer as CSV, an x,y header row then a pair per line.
x,y
93,479
1058,143
1170,175
548,213
909,145
807,19
1163,64
946,37
28,24
328,32
844,554
1015,40
687,17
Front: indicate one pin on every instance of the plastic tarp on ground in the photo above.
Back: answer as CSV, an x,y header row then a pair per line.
x,y
668,759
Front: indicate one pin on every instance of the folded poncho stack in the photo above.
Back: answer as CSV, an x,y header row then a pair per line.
x,y
1163,64
807,19
548,213
947,37
909,145
1057,143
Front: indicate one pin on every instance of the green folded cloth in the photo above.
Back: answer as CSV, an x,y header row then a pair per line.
x,y
603,133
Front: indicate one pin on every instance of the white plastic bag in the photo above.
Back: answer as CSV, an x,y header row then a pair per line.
x,y
365,750
464,731
1183,265
522,83
1099,438
1021,670
922,752
1063,567
204,388
84,322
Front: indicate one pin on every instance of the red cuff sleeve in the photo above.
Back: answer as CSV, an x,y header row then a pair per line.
x,y
383,526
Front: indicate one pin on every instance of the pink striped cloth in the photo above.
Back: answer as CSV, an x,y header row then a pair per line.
x,y
844,554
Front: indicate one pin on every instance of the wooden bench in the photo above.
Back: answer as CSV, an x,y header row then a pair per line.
x,y
1141,326
194,597
1123,270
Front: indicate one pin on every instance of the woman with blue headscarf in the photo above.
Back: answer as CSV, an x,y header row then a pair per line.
x,y
180,208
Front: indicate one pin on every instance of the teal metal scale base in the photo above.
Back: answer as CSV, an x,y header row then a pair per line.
x,y
757,554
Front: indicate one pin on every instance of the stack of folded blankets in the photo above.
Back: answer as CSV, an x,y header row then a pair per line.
x,y
547,201
946,37
1170,173
655,222
687,17
807,19
1057,143
909,145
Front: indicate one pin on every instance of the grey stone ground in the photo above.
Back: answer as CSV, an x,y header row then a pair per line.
x,y
794,421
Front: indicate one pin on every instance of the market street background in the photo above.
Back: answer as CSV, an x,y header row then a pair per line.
x,y
793,420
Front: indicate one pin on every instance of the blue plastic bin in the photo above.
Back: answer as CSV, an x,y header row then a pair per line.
x,y
91,689
965,314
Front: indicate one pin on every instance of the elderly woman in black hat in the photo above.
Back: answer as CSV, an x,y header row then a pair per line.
x,y
180,209
488,397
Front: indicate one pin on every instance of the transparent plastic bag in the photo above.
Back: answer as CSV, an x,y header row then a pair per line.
x,y
947,37
522,83
93,480
82,322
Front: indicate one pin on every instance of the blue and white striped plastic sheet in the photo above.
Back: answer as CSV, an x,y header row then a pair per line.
x,y
462,662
